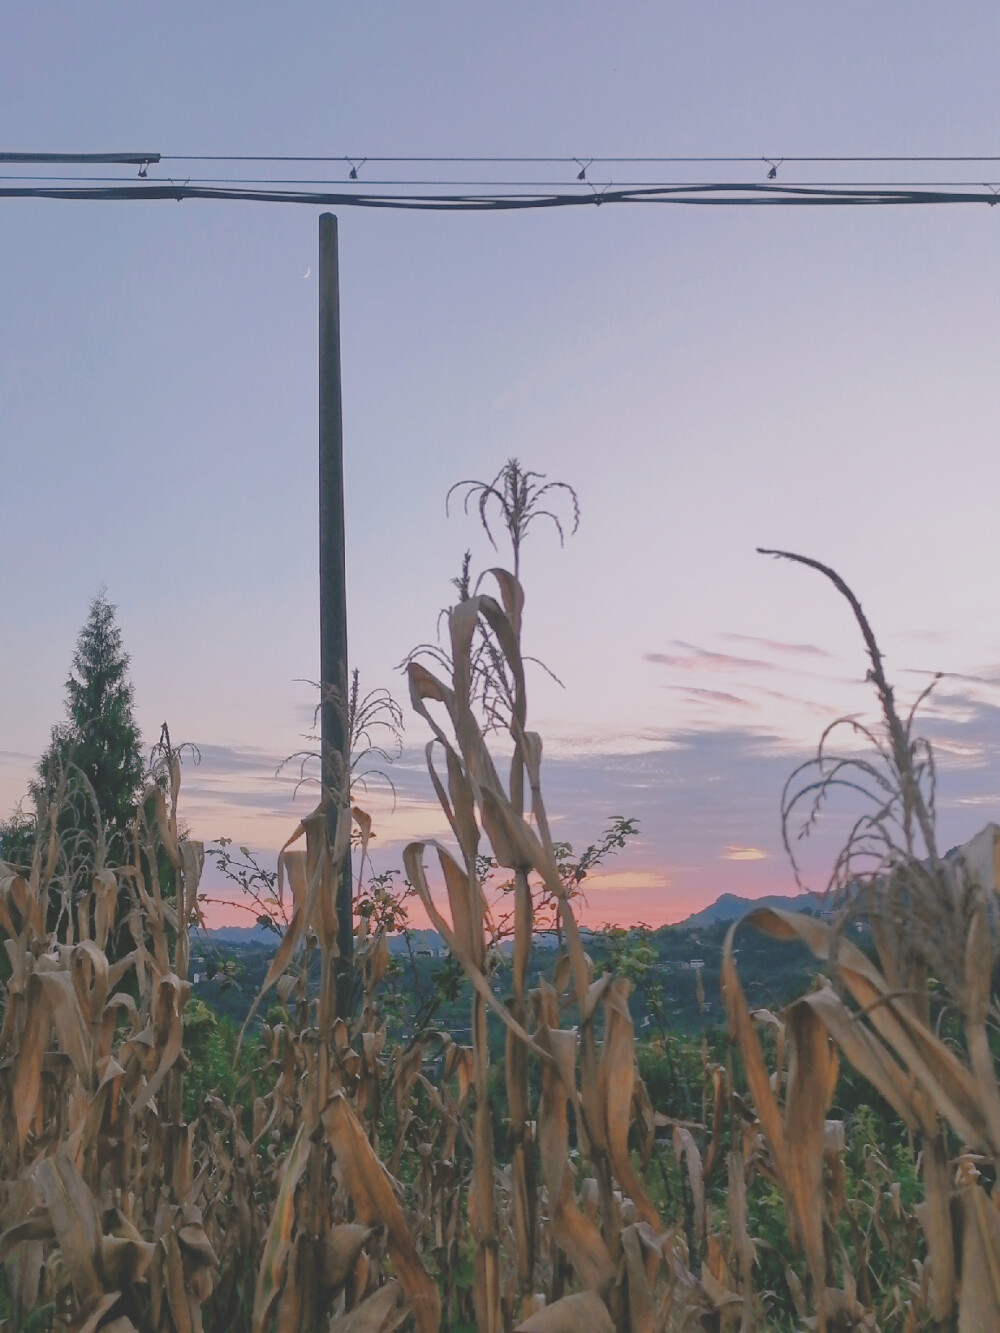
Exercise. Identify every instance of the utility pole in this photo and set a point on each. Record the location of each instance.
(335, 741)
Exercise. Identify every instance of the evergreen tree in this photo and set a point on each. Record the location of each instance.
(99, 737)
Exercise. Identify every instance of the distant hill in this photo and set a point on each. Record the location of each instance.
(730, 907)
(421, 942)
(243, 935)
(680, 992)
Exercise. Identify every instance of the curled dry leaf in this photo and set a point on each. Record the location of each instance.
(584, 1312)
(378, 1313)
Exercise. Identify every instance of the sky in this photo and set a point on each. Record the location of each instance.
(709, 380)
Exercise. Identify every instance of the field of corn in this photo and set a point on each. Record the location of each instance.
(357, 1186)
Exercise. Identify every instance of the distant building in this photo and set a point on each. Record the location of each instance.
(695, 964)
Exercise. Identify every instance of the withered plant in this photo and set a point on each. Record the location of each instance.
(914, 1020)
(358, 1184)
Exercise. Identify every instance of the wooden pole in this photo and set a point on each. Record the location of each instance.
(335, 741)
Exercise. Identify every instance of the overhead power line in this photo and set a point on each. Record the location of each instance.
(725, 194)
(406, 190)
(568, 161)
(529, 185)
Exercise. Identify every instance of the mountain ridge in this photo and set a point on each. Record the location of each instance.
(727, 907)
(730, 907)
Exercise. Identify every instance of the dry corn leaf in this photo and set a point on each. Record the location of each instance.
(935, 1218)
(28, 1066)
(812, 1076)
(737, 1218)
(873, 1060)
(341, 1246)
(686, 1148)
(278, 1241)
(415, 873)
(641, 1312)
(170, 997)
(179, 1300)
(378, 1313)
(575, 1232)
(616, 1079)
(71, 1210)
(584, 1312)
(294, 864)
(375, 1202)
(363, 820)
(950, 1083)
(72, 1029)
(979, 1292)
(718, 1103)
(90, 1316)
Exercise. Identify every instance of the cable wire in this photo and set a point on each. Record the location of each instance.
(724, 193)
(486, 195)
(568, 161)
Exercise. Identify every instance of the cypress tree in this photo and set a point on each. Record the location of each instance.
(99, 737)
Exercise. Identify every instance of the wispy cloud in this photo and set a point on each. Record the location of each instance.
(809, 704)
(778, 646)
(693, 658)
(711, 696)
(744, 854)
(225, 759)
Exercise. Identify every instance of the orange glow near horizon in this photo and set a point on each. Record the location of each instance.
(611, 898)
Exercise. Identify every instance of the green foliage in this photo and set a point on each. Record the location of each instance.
(17, 840)
(256, 883)
(210, 1042)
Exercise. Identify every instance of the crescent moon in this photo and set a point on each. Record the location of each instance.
(307, 272)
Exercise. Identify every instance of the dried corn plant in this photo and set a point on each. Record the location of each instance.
(914, 1022)
(96, 1157)
(118, 1213)
(356, 1185)
(555, 1247)
(357, 1182)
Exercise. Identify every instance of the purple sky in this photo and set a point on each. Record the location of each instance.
(709, 380)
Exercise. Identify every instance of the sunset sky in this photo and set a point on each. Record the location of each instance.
(709, 380)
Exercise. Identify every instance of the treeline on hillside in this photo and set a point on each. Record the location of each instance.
(427, 990)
